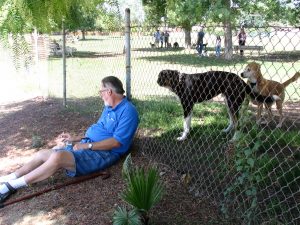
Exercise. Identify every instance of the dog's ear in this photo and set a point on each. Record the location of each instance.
(254, 66)
(258, 67)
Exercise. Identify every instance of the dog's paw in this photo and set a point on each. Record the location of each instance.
(279, 125)
(229, 128)
(236, 137)
(225, 130)
(263, 122)
(276, 97)
(181, 138)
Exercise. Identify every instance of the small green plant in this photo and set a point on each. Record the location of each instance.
(143, 190)
(37, 141)
(124, 217)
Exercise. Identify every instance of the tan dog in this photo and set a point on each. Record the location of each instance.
(266, 87)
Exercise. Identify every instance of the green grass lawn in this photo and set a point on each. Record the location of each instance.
(101, 56)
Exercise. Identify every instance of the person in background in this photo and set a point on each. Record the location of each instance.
(157, 38)
(242, 39)
(162, 39)
(218, 46)
(200, 38)
(102, 145)
(167, 39)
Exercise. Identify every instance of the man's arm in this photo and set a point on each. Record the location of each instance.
(106, 144)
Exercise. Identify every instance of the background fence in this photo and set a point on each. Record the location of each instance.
(255, 180)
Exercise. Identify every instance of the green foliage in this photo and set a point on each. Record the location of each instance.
(79, 19)
(179, 13)
(154, 10)
(176, 13)
(221, 11)
(109, 19)
(292, 15)
(124, 217)
(22, 16)
(258, 171)
(245, 184)
(21, 52)
(143, 190)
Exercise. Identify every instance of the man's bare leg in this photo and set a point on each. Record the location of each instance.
(38, 159)
(56, 161)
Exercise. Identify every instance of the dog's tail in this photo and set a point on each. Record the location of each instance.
(261, 98)
(291, 80)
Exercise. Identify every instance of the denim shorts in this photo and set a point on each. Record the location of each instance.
(90, 161)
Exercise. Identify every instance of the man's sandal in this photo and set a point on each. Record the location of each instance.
(11, 191)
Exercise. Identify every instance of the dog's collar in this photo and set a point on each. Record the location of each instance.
(252, 84)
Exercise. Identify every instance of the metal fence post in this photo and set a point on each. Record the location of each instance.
(64, 66)
(127, 53)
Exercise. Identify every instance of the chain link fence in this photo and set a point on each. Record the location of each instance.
(254, 180)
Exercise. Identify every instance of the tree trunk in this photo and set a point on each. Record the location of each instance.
(228, 52)
(187, 37)
(83, 34)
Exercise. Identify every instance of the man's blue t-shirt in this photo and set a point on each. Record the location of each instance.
(120, 123)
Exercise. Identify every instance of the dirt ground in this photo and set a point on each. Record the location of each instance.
(89, 202)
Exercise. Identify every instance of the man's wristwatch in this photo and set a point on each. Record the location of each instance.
(90, 146)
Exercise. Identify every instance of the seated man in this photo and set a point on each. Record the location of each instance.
(103, 145)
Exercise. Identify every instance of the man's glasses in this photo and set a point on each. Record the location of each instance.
(103, 90)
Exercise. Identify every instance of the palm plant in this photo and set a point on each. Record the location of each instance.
(144, 188)
(124, 217)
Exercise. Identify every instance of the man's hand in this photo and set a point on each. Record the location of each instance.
(80, 146)
(106, 144)
(61, 140)
(64, 137)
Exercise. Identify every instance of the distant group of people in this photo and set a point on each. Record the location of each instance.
(161, 38)
(201, 47)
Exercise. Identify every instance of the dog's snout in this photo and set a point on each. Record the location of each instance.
(243, 75)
